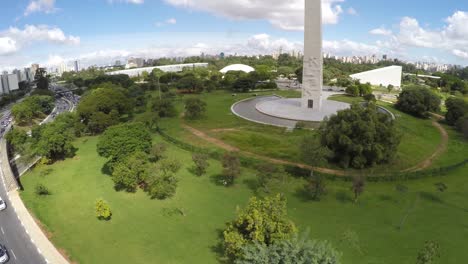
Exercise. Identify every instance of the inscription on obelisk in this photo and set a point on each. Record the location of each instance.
(313, 59)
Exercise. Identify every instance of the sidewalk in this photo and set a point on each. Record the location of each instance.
(45, 247)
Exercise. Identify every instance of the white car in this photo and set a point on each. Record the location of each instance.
(3, 254)
(2, 205)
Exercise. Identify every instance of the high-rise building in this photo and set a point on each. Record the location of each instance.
(118, 63)
(34, 68)
(76, 66)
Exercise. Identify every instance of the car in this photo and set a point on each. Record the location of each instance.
(3, 254)
(2, 204)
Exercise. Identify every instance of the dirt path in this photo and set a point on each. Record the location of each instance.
(225, 146)
(421, 166)
(442, 148)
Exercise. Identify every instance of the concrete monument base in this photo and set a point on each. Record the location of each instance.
(292, 109)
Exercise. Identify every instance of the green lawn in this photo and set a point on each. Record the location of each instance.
(420, 138)
(150, 231)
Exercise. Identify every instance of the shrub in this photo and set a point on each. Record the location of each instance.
(103, 211)
(231, 167)
(194, 108)
(418, 101)
(42, 190)
(201, 163)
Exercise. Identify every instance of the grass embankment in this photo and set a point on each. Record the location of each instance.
(152, 231)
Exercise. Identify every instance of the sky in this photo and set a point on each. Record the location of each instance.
(50, 32)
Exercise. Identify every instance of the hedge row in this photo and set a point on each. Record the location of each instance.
(300, 172)
(397, 176)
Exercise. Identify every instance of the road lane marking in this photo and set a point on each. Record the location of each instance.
(3, 232)
(12, 252)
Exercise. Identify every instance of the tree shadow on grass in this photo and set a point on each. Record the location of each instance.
(430, 197)
(252, 184)
(343, 197)
(217, 179)
(218, 248)
(302, 194)
(106, 169)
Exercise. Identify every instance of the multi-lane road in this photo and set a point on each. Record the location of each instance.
(21, 249)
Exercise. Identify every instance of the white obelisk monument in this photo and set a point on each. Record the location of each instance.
(313, 59)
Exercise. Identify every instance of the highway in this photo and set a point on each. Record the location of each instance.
(21, 249)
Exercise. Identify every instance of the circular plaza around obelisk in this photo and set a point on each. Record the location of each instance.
(285, 112)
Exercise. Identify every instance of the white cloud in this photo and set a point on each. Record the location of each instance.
(460, 53)
(7, 46)
(136, 2)
(170, 21)
(287, 15)
(32, 33)
(45, 6)
(381, 31)
(352, 11)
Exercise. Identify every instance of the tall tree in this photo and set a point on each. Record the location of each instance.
(263, 221)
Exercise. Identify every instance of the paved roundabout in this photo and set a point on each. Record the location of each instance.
(283, 112)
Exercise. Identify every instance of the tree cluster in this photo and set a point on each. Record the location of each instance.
(263, 233)
(457, 114)
(134, 163)
(104, 107)
(418, 101)
(32, 107)
(360, 137)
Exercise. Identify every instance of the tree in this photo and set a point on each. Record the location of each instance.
(190, 83)
(429, 253)
(390, 88)
(360, 137)
(194, 108)
(158, 152)
(119, 142)
(104, 107)
(131, 171)
(201, 163)
(456, 109)
(17, 139)
(53, 141)
(297, 250)
(263, 221)
(365, 89)
(162, 184)
(150, 119)
(41, 78)
(163, 107)
(316, 186)
(271, 179)
(103, 211)
(231, 167)
(370, 98)
(459, 86)
(462, 125)
(243, 84)
(353, 90)
(312, 151)
(418, 101)
(359, 183)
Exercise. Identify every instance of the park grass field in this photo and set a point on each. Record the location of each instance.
(384, 227)
(419, 137)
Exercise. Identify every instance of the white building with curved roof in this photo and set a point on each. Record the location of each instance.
(384, 76)
(237, 67)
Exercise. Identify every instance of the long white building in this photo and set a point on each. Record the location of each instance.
(384, 76)
(167, 68)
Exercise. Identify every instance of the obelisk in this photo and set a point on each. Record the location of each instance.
(312, 81)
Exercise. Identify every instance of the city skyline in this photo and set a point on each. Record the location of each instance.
(50, 32)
